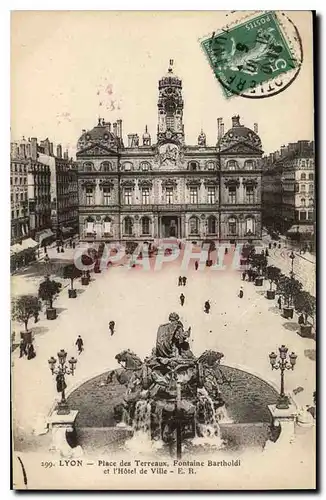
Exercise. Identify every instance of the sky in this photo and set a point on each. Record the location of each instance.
(70, 67)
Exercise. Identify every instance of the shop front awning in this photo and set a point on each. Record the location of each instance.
(29, 243)
(44, 235)
(16, 248)
(301, 229)
(67, 230)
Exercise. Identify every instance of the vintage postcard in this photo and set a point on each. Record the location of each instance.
(163, 296)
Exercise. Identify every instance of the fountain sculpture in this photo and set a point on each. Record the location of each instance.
(171, 396)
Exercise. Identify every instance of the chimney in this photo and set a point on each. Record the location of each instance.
(222, 129)
(130, 140)
(51, 148)
(109, 126)
(59, 151)
(84, 131)
(46, 146)
(256, 128)
(283, 150)
(115, 129)
(236, 121)
(22, 150)
(119, 123)
(66, 155)
(219, 123)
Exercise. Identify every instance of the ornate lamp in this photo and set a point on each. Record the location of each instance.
(61, 371)
(282, 364)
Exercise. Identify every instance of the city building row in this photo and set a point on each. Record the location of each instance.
(148, 190)
(288, 189)
(44, 194)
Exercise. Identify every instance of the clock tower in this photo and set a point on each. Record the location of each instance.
(170, 126)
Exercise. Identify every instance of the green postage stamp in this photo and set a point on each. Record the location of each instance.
(256, 58)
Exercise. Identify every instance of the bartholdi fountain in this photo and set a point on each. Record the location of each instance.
(171, 396)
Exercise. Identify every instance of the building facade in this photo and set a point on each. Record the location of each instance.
(148, 191)
(30, 191)
(289, 188)
(64, 190)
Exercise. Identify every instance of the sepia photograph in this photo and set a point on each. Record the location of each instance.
(163, 250)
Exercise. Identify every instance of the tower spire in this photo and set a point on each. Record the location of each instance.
(171, 66)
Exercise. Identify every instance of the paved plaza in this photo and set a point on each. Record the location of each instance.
(246, 330)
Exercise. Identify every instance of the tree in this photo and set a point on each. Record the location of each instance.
(131, 246)
(210, 244)
(24, 308)
(48, 291)
(288, 288)
(71, 272)
(305, 303)
(248, 251)
(258, 262)
(272, 274)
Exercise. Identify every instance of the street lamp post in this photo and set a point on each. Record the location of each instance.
(292, 257)
(60, 371)
(282, 364)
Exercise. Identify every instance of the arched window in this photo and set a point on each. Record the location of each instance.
(127, 166)
(193, 225)
(193, 165)
(127, 226)
(170, 115)
(232, 165)
(303, 177)
(145, 224)
(232, 226)
(311, 188)
(107, 225)
(303, 202)
(145, 166)
(88, 167)
(249, 164)
(303, 163)
(210, 165)
(311, 202)
(106, 166)
(311, 177)
(211, 225)
(249, 225)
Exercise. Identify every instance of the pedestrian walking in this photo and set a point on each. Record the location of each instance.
(244, 275)
(207, 306)
(184, 280)
(241, 293)
(180, 281)
(279, 301)
(226, 250)
(269, 246)
(58, 249)
(301, 319)
(196, 265)
(36, 316)
(182, 299)
(31, 352)
(73, 245)
(79, 344)
(266, 253)
(22, 348)
(111, 327)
